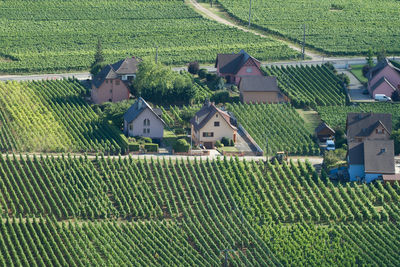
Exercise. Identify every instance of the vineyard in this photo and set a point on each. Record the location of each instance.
(309, 85)
(335, 27)
(336, 116)
(280, 123)
(188, 212)
(62, 35)
(51, 116)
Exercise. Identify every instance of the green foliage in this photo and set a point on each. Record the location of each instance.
(181, 146)
(52, 118)
(309, 85)
(280, 123)
(369, 58)
(202, 73)
(334, 157)
(62, 35)
(160, 84)
(337, 27)
(225, 141)
(98, 57)
(193, 67)
(221, 96)
(115, 111)
(218, 144)
(151, 147)
(96, 68)
(133, 147)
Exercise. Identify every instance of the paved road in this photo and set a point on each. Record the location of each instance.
(356, 88)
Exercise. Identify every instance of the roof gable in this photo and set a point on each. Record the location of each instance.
(380, 66)
(206, 113)
(379, 156)
(232, 63)
(380, 82)
(137, 108)
(323, 126)
(362, 124)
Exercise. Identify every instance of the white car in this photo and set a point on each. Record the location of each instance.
(382, 97)
(330, 145)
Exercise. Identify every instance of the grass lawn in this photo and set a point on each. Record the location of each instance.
(357, 71)
(228, 149)
(311, 119)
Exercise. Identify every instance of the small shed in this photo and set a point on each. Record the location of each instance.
(324, 132)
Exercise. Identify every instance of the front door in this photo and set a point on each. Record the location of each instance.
(209, 145)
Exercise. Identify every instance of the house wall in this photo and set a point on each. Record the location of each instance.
(384, 88)
(379, 136)
(109, 90)
(255, 70)
(223, 130)
(391, 75)
(369, 177)
(156, 126)
(259, 97)
(355, 171)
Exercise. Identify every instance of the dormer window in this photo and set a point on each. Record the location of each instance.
(380, 131)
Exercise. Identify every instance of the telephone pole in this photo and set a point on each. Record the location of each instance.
(304, 41)
(250, 14)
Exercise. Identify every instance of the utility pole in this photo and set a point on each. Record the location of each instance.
(156, 53)
(304, 41)
(226, 255)
(250, 14)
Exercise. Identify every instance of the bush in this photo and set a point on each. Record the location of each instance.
(225, 141)
(365, 70)
(179, 131)
(211, 77)
(231, 143)
(147, 139)
(218, 144)
(202, 73)
(151, 147)
(193, 67)
(221, 96)
(181, 146)
(133, 147)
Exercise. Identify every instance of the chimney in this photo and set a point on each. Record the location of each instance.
(140, 103)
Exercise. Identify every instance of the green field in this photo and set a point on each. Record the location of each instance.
(122, 211)
(51, 116)
(336, 116)
(357, 72)
(280, 123)
(309, 85)
(333, 26)
(49, 35)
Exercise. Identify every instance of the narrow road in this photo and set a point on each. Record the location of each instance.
(356, 88)
(209, 14)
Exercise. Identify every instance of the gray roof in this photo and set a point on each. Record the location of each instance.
(206, 112)
(362, 124)
(258, 84)
(232, 63)
(381, 65)
(323, 126)
(356, 153)
(136, 109)
(113, 71)
(380, 81)
(379, 156)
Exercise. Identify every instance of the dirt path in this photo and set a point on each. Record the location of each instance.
(211, 15)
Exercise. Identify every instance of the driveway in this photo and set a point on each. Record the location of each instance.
(356, 88)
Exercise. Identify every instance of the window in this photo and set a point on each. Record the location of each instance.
(117, 82)
(111, 81)
(146, 130)
(109, 100)
(249, 70)
(216, 116)
(216, 123)
(130, 127)
(383, 150)
(380, 131)
(110, 91)
(146, 122)
(208, 134)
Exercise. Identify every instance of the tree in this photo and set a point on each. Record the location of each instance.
(396, 137)
(193, 67)
(181, 146)
(366, 68)
(381, 55)
(396, 95)
(95, 69)
(369, 58)
(98, 57)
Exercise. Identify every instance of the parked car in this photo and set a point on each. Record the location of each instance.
(382, 97)
(330, 145)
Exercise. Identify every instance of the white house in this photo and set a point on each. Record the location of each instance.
(142, 120)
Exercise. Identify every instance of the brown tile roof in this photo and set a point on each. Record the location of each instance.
(232, 63)
(323, 126)
(258, 84)
(379, 156)
(362, 124)
(206, 113)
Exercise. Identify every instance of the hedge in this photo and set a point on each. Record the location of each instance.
(134, 147)
(151, 147)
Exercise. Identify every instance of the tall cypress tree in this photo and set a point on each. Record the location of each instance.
(98, 57)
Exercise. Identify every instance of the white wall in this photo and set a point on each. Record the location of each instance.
(156, 126)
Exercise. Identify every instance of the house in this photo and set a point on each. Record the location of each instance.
(210, 124)
(324, 132)
(233, 66)
(384, 78)
(142, 120)
(112, 83)
(260, 89)
(370, 152)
